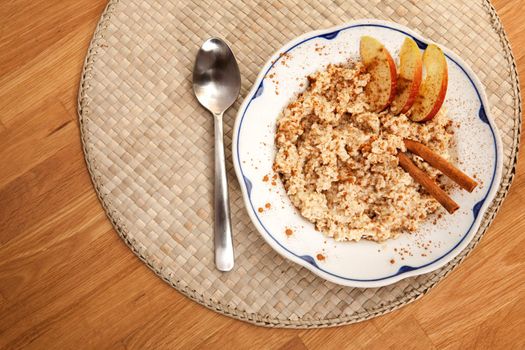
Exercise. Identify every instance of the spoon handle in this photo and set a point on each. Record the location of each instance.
(222, 226)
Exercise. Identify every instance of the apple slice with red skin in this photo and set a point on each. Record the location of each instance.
(409, 78)
(433, 89)
(381, 89)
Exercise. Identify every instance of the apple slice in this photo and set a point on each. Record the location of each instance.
(381, 89)
(409, 79)
(434, 87)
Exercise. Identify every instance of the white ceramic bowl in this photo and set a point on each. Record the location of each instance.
(364, 263)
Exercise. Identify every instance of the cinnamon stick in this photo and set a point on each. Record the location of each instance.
(424, 180)
(441, 164)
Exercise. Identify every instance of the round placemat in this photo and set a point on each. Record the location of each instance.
(148, 143)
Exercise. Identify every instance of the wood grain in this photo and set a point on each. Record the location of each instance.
(67, 280)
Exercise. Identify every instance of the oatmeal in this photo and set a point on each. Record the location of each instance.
(338, 162)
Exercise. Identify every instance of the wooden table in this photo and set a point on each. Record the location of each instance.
(68, 281)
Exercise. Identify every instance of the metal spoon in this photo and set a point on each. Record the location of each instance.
(216, 83)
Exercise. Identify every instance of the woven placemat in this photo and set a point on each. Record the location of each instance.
(148, 144)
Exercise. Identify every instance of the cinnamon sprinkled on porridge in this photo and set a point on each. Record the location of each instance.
(338, 163)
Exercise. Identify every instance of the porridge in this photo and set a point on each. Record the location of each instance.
(338, 159)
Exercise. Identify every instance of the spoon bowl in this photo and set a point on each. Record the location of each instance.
(216, 76)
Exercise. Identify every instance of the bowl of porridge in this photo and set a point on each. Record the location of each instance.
(329, 150)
